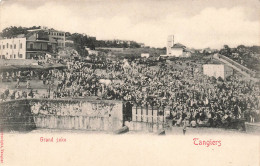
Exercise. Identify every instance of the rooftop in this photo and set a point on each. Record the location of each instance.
(178, 45)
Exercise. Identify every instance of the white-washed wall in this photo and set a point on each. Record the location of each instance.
(81, 115)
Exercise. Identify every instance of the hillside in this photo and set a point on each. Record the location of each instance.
(133, 52)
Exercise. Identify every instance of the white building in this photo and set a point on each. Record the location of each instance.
(142, 45)
(14, 48)
(145, 55)
(217, 70)
(176, 50)
(163, 55)
(69, 43)
(91, 52)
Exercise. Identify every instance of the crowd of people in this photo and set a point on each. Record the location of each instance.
(178, 86)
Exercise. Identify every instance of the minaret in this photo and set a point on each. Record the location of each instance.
(170, 42)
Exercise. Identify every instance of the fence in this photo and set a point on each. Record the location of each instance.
(147, 118)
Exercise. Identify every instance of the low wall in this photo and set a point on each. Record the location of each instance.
(64, 114)
(77, 122)
(252, 127)
(144, 126)
(243, 68)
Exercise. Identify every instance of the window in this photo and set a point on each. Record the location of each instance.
(6, 45)
(14, 46)
(31, 46)
(0, 46)
(14, 56)
(21, 45)
(11, 57)
(11, 46)
(20, 55)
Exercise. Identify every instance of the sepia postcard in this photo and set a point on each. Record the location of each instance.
(129, 83)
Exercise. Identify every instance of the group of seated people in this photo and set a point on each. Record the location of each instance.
(179, 87)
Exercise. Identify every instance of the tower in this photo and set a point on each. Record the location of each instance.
(170, 42)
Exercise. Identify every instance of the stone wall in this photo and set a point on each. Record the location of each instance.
(16, 115)
(66, 114)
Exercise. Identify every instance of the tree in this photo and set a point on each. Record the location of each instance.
(13, 31)
(225, 51)
(226, 47)
(125, 45)
(241, 47)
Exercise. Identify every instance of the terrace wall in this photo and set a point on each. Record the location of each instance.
(80, 114)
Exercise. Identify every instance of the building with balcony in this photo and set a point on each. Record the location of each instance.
(34, 45)
(59, 36)
(37, 45)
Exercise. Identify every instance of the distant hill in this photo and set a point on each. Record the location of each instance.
(134, 52)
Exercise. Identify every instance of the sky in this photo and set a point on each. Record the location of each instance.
(194, 23)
